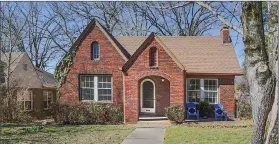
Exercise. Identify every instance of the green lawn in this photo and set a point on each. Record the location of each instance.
(200, 135)
(97, 134)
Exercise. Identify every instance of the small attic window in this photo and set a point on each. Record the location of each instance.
(153, 57)
(25, 67)
(95, 51)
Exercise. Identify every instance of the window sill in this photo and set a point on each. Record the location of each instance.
(199, 103)
(154, 67)
(93, 101)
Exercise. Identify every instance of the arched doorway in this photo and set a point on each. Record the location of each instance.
(147, 97)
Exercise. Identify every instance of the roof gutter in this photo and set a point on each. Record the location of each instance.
(215, 74)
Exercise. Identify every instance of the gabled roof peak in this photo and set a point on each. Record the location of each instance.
(139, 50)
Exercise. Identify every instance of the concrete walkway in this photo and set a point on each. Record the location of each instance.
(146, 134)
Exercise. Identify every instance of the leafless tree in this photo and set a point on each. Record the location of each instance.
(11, 41)
(40, 34)
(138, 18)
(189, 20)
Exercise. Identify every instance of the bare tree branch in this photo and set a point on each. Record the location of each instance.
(220, 17)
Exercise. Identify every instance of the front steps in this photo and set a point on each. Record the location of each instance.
(152, 118)
(155, 123)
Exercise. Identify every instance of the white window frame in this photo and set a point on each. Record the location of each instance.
(193, 90)
(104, 88)
(92, 47)
(24, 98)
(217, 95)
(202, 90)
(96, 88)
(85, 87)
(48, 92)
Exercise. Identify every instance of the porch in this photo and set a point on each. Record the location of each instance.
(154, 97)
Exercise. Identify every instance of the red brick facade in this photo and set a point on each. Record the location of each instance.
(110, 63)
(169, 78)
(167, 69)
(226, 93)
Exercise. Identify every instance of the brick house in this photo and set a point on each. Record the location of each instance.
(146, 74)
(35, 88)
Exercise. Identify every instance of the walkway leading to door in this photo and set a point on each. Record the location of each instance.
(146, 134)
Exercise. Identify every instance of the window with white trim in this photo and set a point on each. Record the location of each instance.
(202, 90)
(104, 88)
(210, 90)
(96, 87)
(26, 100)
(95, 51)
(87, 87)
(48, 98)
(193, 90)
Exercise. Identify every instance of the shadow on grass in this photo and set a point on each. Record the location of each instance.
(17, 140)
(12, 125)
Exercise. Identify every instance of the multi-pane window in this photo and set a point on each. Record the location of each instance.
(153, 57)
(104, 88)
(95, 51)
(193, 90)
(48, 98)
(26, 100)
(96, 87)
(210, 91)
(202, 90)
(87, 87)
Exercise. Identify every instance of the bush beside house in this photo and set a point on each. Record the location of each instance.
(244, 107)
(176, 113)
(10, 108)
(87, 113)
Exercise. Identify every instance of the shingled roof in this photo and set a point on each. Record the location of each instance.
(198, 54)
(14, 58)
(46, 79)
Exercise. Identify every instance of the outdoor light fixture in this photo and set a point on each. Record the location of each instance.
(163, 79)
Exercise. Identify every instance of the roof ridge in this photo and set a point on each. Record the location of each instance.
(171, 36)
(38, 69)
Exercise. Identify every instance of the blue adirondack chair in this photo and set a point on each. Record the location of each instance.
(219, 113)
(192, 110)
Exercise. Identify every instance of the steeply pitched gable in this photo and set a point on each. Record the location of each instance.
(125, 55)
(151, 37)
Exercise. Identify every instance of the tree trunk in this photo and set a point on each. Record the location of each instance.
(272, 36)
(260, 78)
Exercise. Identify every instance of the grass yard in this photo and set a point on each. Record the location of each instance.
(95, 134)
(205, 135)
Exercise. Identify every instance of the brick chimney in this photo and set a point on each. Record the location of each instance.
(225, 33)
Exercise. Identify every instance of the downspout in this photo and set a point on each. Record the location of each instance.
(184, 86)
(124, 93)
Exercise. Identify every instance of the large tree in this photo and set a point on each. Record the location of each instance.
(261, 64)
